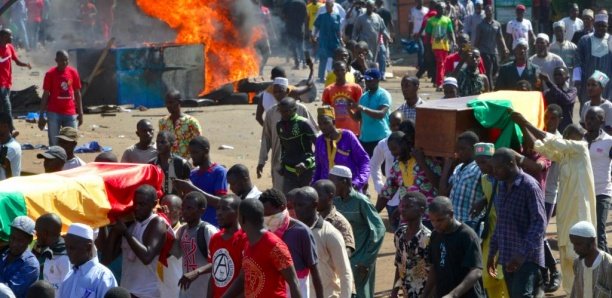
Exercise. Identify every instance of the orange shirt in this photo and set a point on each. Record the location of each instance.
(339, 98)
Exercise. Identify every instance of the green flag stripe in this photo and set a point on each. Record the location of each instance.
(12, 204)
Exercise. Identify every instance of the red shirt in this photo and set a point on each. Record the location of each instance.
(262, 264)
(7, 55)
(452, 60)
(226, 258)
(35, 10)
(61, 86)
(338, 97)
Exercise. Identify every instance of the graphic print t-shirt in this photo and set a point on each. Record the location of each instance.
(226, 257)
(262, 264)
(61, 86)
(339, 97)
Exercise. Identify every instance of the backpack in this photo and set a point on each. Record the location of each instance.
(202, 239)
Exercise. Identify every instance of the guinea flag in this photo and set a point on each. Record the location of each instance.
(94, 194)
(491, 110)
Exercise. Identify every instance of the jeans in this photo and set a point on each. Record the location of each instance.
(5, 104)
(296, 45)
(33, 34)
(420, 53)
(381, 59)
(491, 66)
(322, 63)
(393, 222)
(602, 207)
(21, 33)
(525, 282)
(56, 121)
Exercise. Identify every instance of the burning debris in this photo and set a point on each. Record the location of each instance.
(228, 30)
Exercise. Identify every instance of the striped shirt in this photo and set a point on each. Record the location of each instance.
(521, 221)
(466, 189)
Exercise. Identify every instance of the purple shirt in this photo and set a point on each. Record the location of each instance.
(349, 153)
(521, 221)
(212, 181)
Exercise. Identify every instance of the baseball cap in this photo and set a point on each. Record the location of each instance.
(24, 224)
(372, 74)
(521, 7)
(52, 153)
(68, 133)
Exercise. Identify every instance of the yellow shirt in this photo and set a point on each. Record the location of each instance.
(331, 78)
(312, 9)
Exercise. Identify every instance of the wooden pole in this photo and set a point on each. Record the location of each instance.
(96, 68)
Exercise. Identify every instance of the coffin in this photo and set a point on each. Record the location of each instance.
(439, 122)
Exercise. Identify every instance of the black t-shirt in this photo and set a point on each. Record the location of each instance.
(452, 256)
(294, 12)
(385, 14)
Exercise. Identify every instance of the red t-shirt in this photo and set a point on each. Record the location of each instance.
(338, 97)
(226, 258)
(7, 55)
(35, 10)
(61, 86)
(452, 60)
(262, 264)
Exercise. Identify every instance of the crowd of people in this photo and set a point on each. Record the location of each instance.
(31, 20)
(469, 226)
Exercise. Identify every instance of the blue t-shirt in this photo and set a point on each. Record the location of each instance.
(214, 182)
(373, 130)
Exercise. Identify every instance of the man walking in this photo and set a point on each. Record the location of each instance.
(370, 27)
(368, 229)
(521, 225)
(61, 98)
(88, 278)
(489, 39)
(296, 138)
(7, 56)
(328, 35)
(600, 150)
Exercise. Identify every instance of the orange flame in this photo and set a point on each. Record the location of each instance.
(229, 54)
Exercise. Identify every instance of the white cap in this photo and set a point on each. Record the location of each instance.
(521, 41)
(601, 17)
(583, 229)
(81, 230)
(341, 171)
(560, 24)
(543, 36)
(281, 82)
(481, 2)
(450, 81)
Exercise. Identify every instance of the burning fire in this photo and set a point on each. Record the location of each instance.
(229, 53)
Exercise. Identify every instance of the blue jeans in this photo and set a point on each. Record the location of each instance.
(21, 33)
(393, 222)
(381, 58)
(420, 53)
(602, 207)
(33, 34)
(5, 104)
(56, 121)
(525, 282)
